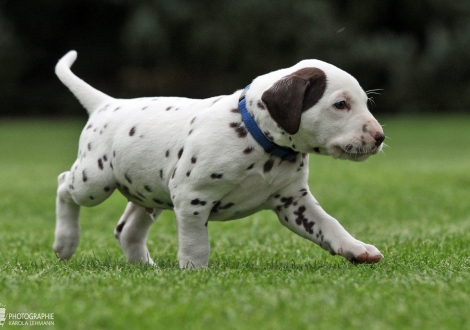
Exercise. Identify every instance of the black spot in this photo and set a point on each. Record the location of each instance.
(84, 177)
(268, 165)
(302, 220)
(261, 105)
(287, 201)
(161, 174)
(144, 108)
(167, 153)
(114, 153)
(217, 175)
(197, 202)
(170, 204)
(190, 132)
(100, 164)
(128, 178)
(277, 196)
(216, 100)
(107, 189)
(132, 131)
(268, 135)
(174, 172)
(169, 108)
(248, 150)
(111, 165)
(146, 187)
(239, 129)
(251, 166)
(215, 208)
(89, 126)
(218, 206)
(180, 153)
(193, 160)
(235, 110)
(196, 213)
(188, 173)
(192, 120)
(92, 198)
(120, 226)
(157, 201)
(226, 206)
(89, 146)
(105, 158)
(286, 218)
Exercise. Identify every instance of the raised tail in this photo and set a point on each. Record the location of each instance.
(88, 96)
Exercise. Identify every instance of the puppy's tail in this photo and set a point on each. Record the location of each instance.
(88, 96)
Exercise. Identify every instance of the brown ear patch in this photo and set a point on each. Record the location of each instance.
(293, 94)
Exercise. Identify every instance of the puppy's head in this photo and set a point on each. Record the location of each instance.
(323, 110)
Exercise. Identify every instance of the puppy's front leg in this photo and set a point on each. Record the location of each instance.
(298, 210)
(193, 238)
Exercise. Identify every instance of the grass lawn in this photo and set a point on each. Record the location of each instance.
(412, 202)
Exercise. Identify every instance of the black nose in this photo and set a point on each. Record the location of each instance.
(379, 137)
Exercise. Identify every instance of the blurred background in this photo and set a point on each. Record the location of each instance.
(417, 51)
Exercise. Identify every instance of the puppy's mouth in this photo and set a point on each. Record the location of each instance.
(348, 151)
(353, 152)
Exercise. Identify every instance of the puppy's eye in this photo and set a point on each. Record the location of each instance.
(340, 105)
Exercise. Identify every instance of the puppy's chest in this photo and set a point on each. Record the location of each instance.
(251, 188)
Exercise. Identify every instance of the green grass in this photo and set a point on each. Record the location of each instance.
(412, 202)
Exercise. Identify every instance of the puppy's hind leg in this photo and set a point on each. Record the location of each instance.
(67, 230)
(132, 230)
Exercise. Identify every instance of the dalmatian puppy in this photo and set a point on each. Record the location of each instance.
(217, 159)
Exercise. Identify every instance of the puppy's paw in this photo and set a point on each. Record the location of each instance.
(358, 252)
(64, 248)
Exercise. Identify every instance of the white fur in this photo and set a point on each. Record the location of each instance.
(190, 156)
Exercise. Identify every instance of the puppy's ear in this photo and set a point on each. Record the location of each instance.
(293, 94)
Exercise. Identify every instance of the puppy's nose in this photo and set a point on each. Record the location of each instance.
(379, 137)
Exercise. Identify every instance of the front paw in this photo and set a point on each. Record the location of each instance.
(358, 252)
(65, 247)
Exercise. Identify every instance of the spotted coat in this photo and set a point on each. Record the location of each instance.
(198, 158)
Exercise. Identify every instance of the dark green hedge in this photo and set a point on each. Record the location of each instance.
(417, 51)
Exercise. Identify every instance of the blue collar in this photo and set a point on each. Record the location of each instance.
(283, 152)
